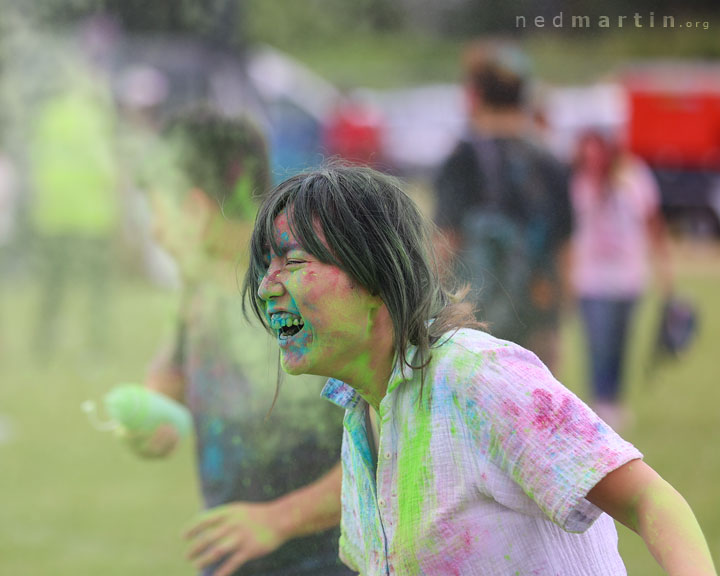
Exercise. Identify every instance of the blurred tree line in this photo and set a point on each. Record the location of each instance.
(237, 22)
(386, 43)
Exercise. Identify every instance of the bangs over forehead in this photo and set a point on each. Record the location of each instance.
(306, 204)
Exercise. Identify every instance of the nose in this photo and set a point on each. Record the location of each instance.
(270, 286)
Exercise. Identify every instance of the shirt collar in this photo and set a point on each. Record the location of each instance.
(343, 395)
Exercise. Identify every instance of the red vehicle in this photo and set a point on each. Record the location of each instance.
(674, 124)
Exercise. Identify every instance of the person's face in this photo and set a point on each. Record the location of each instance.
(321, 318)
(595, 155)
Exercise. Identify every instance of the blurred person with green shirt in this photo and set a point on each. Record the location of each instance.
(74, 203)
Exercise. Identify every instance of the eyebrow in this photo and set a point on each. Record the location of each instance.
(284, 249)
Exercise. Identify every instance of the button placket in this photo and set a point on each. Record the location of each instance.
(384, 479)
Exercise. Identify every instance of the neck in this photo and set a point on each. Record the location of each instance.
(223, 249)
(368, 372)
(502, 123)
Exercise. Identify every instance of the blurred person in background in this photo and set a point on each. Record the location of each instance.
(8, 206)
(74, 201)
(502, 204)
(8, 214)
(618, 226)
(271, 484)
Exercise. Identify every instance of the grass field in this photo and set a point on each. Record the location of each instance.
(74, 502)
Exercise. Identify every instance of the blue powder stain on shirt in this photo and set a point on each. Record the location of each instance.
(212, 461)
(216, 426)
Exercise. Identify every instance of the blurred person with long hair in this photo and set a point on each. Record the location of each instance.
(617, 228)
(462, 454)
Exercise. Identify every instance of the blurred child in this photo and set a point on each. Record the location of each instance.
(272, 486)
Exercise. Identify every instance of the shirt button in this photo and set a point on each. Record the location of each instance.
(388, 455)
(381, 501)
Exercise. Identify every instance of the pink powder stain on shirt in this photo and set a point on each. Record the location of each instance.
(564, 417)
(510, 408)
(545, 415)
(460, 548)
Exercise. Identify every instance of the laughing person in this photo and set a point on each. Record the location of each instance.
(461, 453)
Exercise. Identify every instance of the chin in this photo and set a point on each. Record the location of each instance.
(299, 366)
(293, 366)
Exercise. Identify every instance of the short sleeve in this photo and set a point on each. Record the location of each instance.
(542, 436)
(646, 188)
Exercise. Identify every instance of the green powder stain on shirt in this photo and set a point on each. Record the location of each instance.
(414, 479)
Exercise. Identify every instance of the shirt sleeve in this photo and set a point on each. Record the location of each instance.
(543, 436)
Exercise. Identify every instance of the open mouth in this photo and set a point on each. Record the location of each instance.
(286, 324)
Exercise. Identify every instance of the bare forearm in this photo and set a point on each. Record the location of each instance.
(446, 244)
(638, 497)
(661, 251)
(313, 508)
(165, 378)
(671, 532)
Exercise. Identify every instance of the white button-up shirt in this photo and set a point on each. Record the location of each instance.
(486, 475)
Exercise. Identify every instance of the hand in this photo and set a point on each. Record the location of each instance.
(237, 532)
(156, 444)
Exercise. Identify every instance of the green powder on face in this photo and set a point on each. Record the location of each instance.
(415, 479)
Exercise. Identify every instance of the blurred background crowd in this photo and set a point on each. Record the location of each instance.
(88, 90)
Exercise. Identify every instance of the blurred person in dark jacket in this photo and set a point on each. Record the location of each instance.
(502, 204)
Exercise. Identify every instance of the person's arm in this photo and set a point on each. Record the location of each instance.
(637, 497)
(446, 244)
(566, 261)
(660, 243)
(164, 377)
(655, 226)
(452, 187)
(242, 531)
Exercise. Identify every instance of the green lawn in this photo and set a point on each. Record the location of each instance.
(73, 501)
(676, 405)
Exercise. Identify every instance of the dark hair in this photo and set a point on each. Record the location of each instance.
(498, 73)
(225, 157)
(605, 140)
(376, 234)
